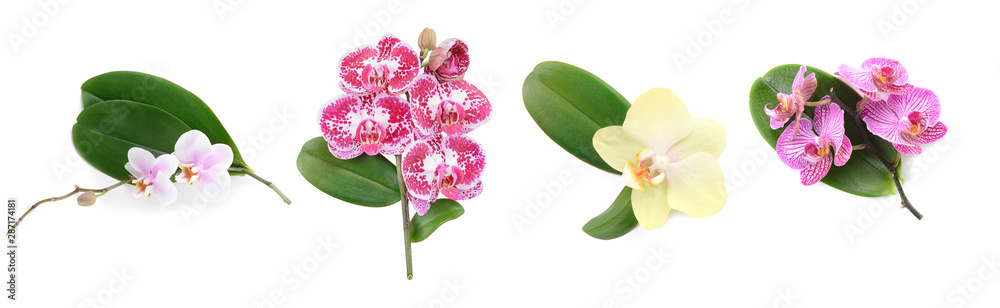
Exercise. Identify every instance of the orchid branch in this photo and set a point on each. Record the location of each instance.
(905, 203)
(245, 171)
(406, 216)
(78, 189)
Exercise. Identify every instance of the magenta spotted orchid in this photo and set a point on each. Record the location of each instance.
(449, 165)
(814, 152)
(793, 104)
(388, 67)
(372, 124)
(449, 61)
(877, 78)
(152, 175)
(453, 108)
(906, 120)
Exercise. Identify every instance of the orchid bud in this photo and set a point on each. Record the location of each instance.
(87, 198)
(427, 39)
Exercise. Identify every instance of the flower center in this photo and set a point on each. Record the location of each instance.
(374, 76)
(448, 176)
(144, 186)
(884, 74)
(189, 173)
(450, 117)
(449, 66)
(370, 135)
(647, 170)
(917, 123)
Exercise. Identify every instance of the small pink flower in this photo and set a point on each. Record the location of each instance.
(450, 165)
(449, 61)
(454, 108)
(811, 152)
(877, 78)
(203, 164)
(371, 124)
(906, 120)
(793, 104)
(152, 175)
(389, 67)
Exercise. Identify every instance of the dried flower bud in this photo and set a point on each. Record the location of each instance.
(427, 39)
(87, 198)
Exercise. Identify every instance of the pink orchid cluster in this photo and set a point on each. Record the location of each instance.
(894, 110)
(428, 127)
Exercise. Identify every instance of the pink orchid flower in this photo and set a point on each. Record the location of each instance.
(453, 108)
(371, 124)
(793, 104)
(906, 120)
(449, 61)
(877, 78)
(203, 164)
(152, 175)
(811, 152)
(451, 165)
(389, 67)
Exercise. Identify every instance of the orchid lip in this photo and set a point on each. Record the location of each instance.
(448, 176)
(451, 116)
(374, 77)
(916, 123)
(646, 171)
(370, 134)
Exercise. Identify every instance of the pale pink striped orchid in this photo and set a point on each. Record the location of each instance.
(448, 165)
(906, 120)
(813, 152)
(371, 124)
(388, 67)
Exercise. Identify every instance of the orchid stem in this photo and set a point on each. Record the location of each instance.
(406, 216)
(247, 171)
(102, 191)
(904, 202)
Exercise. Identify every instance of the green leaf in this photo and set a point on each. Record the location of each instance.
(616, 221)
(863, 175)
(441, 211)
(570, 105)
(363, 180)
(163, 94)
(105, 131)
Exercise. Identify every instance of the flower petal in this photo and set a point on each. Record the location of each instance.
(791, 148)
(616, 147)
(419, 164)
(929, 135)
(650, 206)
(920, 99)
(477, 107)
(457, 193)
(803, 87)
(220, 154)
(907, 149)
(339, 120)
(164, 189)
(425, 98)
(706, 136)
(815, 172)
(858, 78)
(658, 119)
(882, 118)
(467, 155)
(140, 162)
(166, 163)
(843, 152)
(779, 115)
(696, 185)
(192, 147)
(403, 66)
(393, 113)
(353, 64)
(215, 183)
(419, 204)
(829, 123)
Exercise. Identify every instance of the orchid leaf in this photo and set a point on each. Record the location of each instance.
(616, 221)
(364, 180)
(441, 211)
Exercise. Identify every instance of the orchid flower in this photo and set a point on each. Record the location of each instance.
(667, 158)
(877, 78)
(152, 175)
(810, 151)
(449, 61)
(388, 67)
(203, 164)
(793, 104)
(906, 120)
(454, 108)
(451, 165)
(371, 124)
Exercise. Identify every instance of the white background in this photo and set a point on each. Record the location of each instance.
(265, 67)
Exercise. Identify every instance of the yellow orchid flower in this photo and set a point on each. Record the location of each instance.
(667, 158)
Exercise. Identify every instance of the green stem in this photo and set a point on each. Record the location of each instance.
(406, 216)
(102, 191)
(905, 203)
(251, 173)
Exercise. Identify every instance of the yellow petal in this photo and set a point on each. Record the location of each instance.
(706, 136)
(650, 206)
(658, 119)
(616, 147)
(632, 177)
(697, 185)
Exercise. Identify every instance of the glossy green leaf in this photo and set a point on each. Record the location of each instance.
(105, 131)
(364, 180)
(616, 221)
(441, 211)
(864, 174)
(570, 104)
(163, 94)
